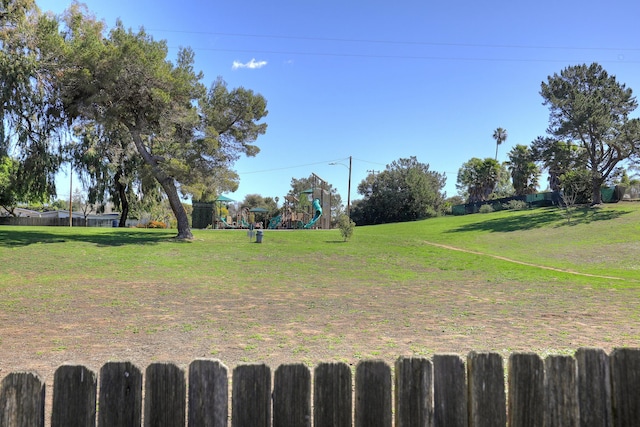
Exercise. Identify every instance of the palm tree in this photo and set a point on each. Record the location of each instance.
(500, 135)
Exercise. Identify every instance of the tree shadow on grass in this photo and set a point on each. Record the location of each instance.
(25, 236)
(540, 218)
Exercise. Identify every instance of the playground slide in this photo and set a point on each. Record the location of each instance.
(275, 221)
(318, 210)
(225, 223)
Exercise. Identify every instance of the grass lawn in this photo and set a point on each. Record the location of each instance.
(506, 281)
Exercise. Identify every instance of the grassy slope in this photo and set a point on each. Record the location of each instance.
(603, 242)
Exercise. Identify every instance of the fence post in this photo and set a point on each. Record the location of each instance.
(526, 390)
(165, 395)
(373, 394)
(332, 395)
(74, 397)
(625, 375)
(594, 388)
(208, 394)
(251, 396)
(414, 392)
(292, 396)
(561, 392)
(449, 391)
(120, 399)
(487, 399)
(21, 400)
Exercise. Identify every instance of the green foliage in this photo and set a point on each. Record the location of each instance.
(346, 226)
(257, 201)
(149, 116)
(576, 184)
(486, 209)
(516, 205)
(478, 178)
(8, 168)
(590, 108)
(524, 171)
(405, 191)
(557, 157)
(30, 116)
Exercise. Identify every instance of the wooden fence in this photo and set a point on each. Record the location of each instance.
(590, 389)
(57, 222)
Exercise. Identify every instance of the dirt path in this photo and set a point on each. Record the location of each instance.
(544, 267)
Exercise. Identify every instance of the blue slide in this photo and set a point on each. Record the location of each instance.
(318, 210)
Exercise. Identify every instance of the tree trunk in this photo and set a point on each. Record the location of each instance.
(124, 202)
(168, 185)
(596, 196)
(596, 182)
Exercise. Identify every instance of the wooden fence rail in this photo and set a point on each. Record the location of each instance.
(591, 389)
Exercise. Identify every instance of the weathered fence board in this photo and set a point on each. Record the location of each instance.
(589, 389)
(414, 392)
(165, 395)
(120, 400)
(332, 395)
(74, 397)
(594, 388)
(625, 380)
(208, 394)
(292, 396)
(251, 397)
(561, 392)
(449, 391)
(21, 400)
(526, 390)
(373, 394)
(487, 399)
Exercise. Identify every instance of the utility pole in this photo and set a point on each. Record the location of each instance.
(349, 186)
(70, 196)
(349, 191)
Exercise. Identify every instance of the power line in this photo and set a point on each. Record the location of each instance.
(398, 42)
(326, 162)
(286, 167)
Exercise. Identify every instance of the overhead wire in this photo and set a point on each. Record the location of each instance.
(398, 42)
(480, 58)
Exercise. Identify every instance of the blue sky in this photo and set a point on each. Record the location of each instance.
(381, 80)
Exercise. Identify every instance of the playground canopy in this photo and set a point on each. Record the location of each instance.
(224, 199)
(258, 210)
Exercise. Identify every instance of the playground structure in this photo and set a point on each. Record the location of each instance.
(309, 209)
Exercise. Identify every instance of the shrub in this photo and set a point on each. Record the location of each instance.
(346, 227)
(486, 209)
(156, 224)
(516, 205)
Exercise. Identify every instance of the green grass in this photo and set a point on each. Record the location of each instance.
(307, 295)
(605, 242)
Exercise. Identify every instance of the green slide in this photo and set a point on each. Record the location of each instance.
(318, 210)
(275, 221)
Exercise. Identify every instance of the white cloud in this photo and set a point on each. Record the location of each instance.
(253, 64)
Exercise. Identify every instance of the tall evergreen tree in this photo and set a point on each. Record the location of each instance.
(188, 137)
(589, 108)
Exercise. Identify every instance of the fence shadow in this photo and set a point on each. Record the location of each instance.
(540, 218)
(25, 237)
